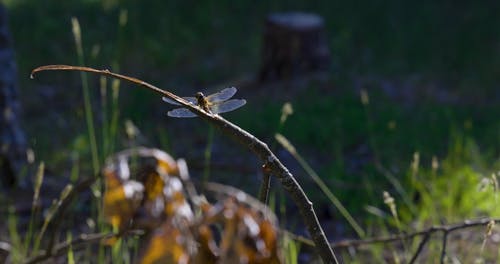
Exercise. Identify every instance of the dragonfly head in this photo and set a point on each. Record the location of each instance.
(199, 95)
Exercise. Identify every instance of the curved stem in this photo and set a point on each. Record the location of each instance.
(252, 143)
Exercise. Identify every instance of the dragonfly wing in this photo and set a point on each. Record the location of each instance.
(181, 112)
(227, 106)
(222, 95)
(192, 100)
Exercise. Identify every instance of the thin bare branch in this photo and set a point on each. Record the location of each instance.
(265, 186)
(83, 239)
(420, 248)
(118, 76)
(443, 247)
(58, 217)
(64, 203)
(426, 233)
(258, 147)
(430, 230)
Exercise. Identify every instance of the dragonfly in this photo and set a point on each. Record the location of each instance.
(216, 103)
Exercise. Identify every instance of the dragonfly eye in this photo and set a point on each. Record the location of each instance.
(199, 95)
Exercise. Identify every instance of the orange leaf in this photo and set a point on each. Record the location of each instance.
(167, 245)
(121, 199)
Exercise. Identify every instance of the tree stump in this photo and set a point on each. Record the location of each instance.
(12, 138)
(293, 44)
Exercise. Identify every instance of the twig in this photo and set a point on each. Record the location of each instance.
(430, 230)
(443, 247)
(83, 239)
(420, 248)
(299, 238)
(265, 186)
(58, 215)
(258, 147)
(426, 233)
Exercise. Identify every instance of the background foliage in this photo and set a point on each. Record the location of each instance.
(430, 69)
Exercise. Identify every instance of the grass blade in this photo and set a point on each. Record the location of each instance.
(86, 95)
(321, 184)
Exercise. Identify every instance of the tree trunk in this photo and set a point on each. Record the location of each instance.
(12, 138)
(293, 44)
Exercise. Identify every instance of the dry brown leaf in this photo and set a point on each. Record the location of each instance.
(167, 245)
(121, 199)
(157, 202)
(207, 247)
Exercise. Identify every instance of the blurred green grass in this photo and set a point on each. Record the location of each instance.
(196, 43)
(213, 40)
(334, 131)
